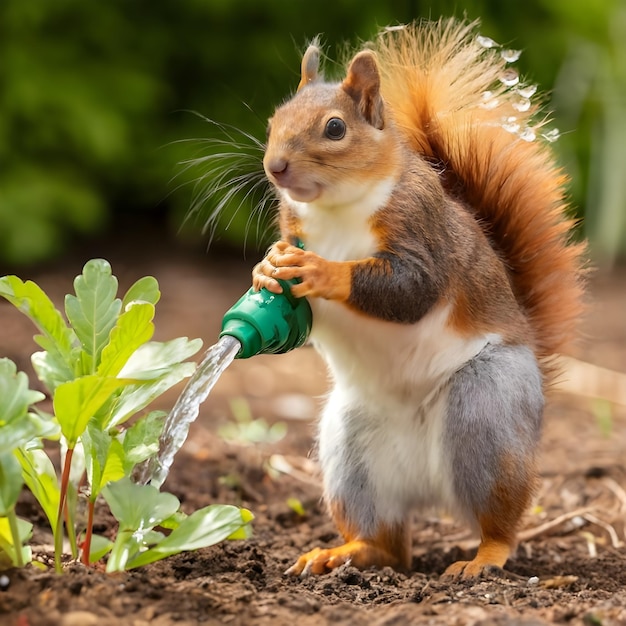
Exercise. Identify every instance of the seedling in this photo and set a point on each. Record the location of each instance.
(296, 506)
(245, 430)
(139, 508)
(101, 369)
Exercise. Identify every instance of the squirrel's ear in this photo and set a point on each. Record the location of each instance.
(310, 66)
(362, 84)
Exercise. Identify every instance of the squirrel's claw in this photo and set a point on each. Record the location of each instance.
(468, 570)
(316, 562)
(490, 558)
(362, 554)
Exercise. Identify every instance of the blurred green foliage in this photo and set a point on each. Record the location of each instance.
(96, 101)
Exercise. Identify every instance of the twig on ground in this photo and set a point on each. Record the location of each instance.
(307, 474)
(618, 491)
(615, 540)
(537, 531)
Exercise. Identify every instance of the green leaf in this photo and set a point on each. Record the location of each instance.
(114, 467)
(76, 402)
(10, 482)
(201, 529)
(141, 440)
(94, 309)
(173, 522)
(245, 532)
(96, 445)
(99, 547)
(152, 359)
(51, 370)
(56, 337)
(24, 531)
(15, 396)
(146, 289)
(20, 433)
(138, 506)
(134, 398)
(159, 365)
(133, 328)
(18, 427)
(45, 425)
(40, 477)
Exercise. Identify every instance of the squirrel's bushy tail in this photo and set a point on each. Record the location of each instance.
(460, 103)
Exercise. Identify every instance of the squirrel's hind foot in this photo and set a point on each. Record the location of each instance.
(468, 570)
(359, 553)
(490, 558)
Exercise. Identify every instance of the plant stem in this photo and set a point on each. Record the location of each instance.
(15, 535)
(58, 536)
(69, 514)
(88, 533)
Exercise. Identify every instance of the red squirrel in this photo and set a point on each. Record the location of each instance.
(439, 265)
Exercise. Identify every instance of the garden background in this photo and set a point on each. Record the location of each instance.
(98, 98)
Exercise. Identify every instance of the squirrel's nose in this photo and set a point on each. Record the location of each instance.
(277, 167)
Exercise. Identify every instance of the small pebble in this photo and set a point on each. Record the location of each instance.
(5, 582)
(533, 580)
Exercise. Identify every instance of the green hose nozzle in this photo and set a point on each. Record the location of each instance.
(268, 323)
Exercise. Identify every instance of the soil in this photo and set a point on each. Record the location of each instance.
(569, 568)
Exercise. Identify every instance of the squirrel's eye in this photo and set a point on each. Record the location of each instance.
(335, 128)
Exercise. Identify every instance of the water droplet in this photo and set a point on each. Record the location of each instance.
(528, 134)
(393, 29)
(509, 77)
(486, 42)
(521, 105)
(510, 56)
(489, 100)
(527, 91)
(511, 125)
(552, 135)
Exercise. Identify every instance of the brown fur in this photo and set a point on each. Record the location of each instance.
(510, 497)
(432, 79)
(390, 546)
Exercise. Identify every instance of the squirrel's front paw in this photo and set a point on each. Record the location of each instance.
(264, 274)
(317, 277)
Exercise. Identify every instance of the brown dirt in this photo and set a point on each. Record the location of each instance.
(569, 572)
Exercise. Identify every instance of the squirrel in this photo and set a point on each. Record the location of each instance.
(440, 266)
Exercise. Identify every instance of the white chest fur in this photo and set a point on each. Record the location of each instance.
(339, 228)
(394, 379)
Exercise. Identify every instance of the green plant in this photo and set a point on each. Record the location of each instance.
(139, 508)
(296, 506)
(101, 369)
(18, 428)
(245, 430)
